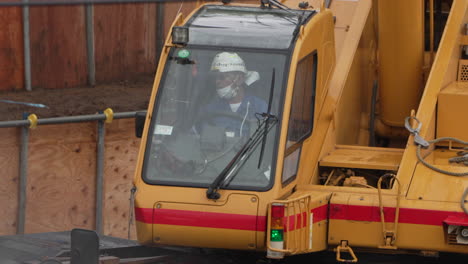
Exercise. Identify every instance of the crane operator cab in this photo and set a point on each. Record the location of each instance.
(211, 116)
(233, 101)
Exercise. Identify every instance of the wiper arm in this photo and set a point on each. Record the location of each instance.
(241, 156)
(265, 132)
(279, 6)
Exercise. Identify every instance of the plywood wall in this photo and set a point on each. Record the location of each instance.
(121, 154)
(61, 185)
(9, 162)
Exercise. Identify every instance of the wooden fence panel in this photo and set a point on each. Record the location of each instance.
(58, 47)
(11, 49)
(125, 36)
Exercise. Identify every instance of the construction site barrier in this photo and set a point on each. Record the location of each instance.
(31, 122)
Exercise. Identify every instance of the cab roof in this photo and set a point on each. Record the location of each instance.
(245, 27)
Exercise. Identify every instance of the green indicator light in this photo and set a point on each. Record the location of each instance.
(276, 235)
(183, 53)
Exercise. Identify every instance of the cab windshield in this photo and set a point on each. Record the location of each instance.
(209, 104)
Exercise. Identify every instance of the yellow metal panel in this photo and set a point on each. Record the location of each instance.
(443, 72)
(320, 226)
(354, 73)
(463, 71)
(364, 230)
(355, 217)
(196, 224)
(464, 40)
(429, 185)
(144, 233)
(410, 236)
(452, 120)
(363, 158)
(306, 222)
(318, 205)
(323, 137)
(313, 37)
(344, 11)
(235, 203)
(358, 234)
(348, 112)
(204, 237)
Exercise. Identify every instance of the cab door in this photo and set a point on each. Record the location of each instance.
(301, 118)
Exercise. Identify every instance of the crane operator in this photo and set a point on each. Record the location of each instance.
(234, 99)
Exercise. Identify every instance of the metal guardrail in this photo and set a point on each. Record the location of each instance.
(61, 120)
(296, 224)
(32, 121)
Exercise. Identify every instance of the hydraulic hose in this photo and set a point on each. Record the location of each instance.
(463, 200)
(432, 167)
(421, 142)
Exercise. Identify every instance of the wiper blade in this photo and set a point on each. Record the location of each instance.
(230, 171)
(265, 132)
(284, 8)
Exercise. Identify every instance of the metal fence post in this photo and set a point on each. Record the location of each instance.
(89, 14)
(159, 30)
(23, 174)
(99, 175)
(26, 47)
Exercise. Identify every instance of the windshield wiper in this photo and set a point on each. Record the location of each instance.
(283, 7)
(265, 131)
(241, 156)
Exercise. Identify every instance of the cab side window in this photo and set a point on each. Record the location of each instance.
(301, 119)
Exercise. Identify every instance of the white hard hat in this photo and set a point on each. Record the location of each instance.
(228, 62)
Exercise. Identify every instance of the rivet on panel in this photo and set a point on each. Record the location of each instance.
(158, 205)
(253, 200)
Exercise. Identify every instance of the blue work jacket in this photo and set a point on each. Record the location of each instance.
(231, 124)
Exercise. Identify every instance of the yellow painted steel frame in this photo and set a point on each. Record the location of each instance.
(295, 240)
(315, 36)
(389, 236)
(144, 231)
(334, 84)
(306, 223)
(401, 56)
(354, 212)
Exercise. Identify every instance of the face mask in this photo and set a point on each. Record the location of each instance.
(227, 92)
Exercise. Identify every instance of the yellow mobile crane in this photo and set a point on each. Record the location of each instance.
(292, 127)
